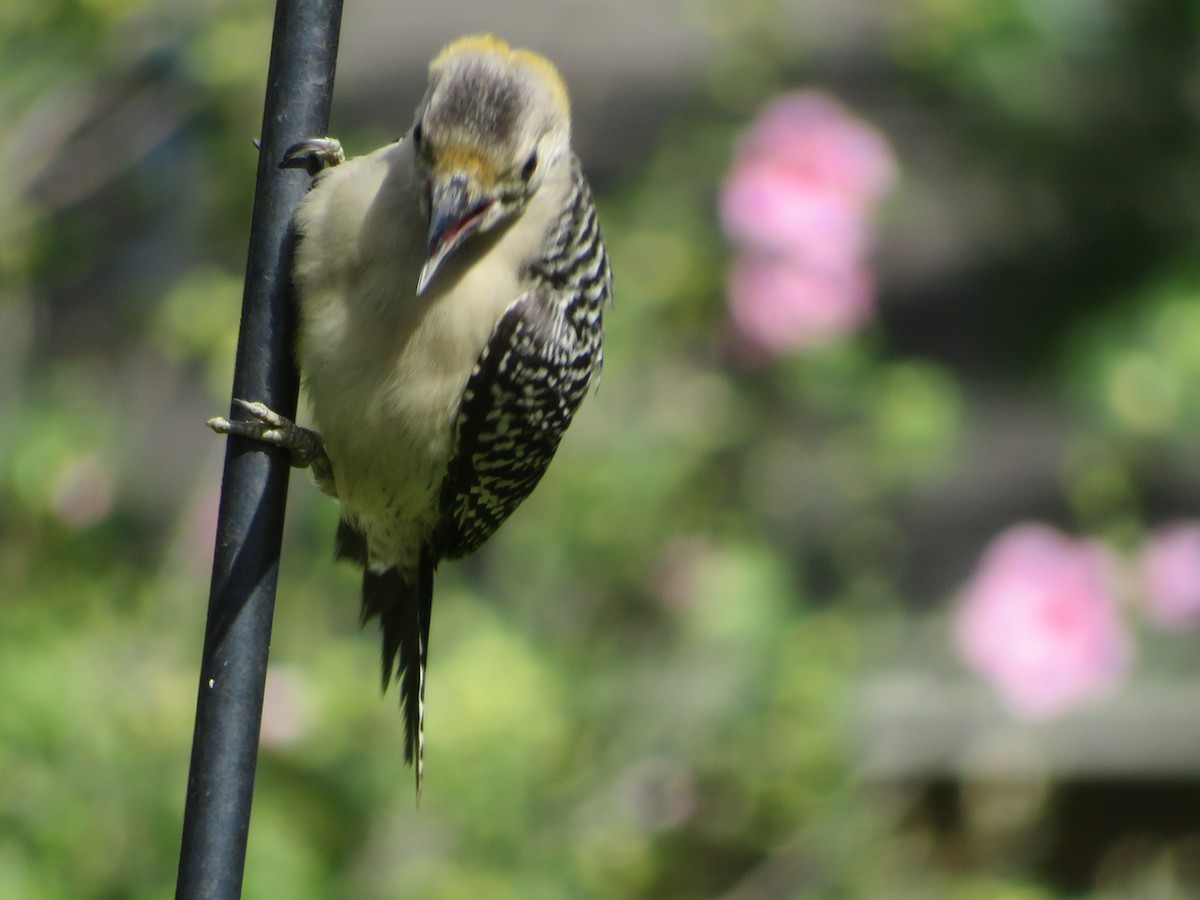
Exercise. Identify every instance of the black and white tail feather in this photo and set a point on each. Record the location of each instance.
(403, 606)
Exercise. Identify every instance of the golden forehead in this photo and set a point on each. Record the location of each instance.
(489, 45)
(461, 158)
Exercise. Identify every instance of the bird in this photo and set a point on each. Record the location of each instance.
(451, 289)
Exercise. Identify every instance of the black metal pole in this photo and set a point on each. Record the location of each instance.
(237, 636)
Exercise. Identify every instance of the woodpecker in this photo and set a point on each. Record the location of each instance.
(451, 289)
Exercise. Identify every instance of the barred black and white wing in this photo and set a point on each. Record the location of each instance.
(518, 402)
(530, 379)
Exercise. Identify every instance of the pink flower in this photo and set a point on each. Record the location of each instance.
(285, 714)
(764, 208)
(822, 143)
(83, 492)
(779, 305)
(1039, 620)
(798, 201)
(1170, 568)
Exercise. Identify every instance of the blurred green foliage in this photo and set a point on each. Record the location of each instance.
(641, 688)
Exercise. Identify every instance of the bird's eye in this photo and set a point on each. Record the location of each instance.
(530, 166)
(418, 135)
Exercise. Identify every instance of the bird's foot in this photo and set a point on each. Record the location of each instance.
(305, 446)
(314, 155)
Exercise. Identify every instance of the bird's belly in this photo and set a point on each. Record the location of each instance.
(389, 459)
(387, 418)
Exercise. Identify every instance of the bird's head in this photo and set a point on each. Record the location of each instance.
(494, 121)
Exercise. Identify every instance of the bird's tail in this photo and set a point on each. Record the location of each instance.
(402, 602)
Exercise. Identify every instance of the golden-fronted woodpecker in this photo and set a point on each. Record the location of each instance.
(451, 289)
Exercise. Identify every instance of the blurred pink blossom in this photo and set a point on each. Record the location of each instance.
(822, 143)
(286, 717)
(1039, 620)
(764, 208)
(83, 492)
(779, 305)
(1170, 569)
(798, 202)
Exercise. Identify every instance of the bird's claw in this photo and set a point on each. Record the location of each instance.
(314, 155)
(303, 444)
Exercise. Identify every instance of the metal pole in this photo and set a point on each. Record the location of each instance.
(216, 817)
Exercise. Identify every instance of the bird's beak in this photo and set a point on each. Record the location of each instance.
(453, 216)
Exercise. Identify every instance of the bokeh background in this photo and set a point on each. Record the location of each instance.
(872, 570)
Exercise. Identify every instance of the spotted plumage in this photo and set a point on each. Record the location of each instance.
(530, 379)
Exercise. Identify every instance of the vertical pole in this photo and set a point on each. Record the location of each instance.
(237, 635)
